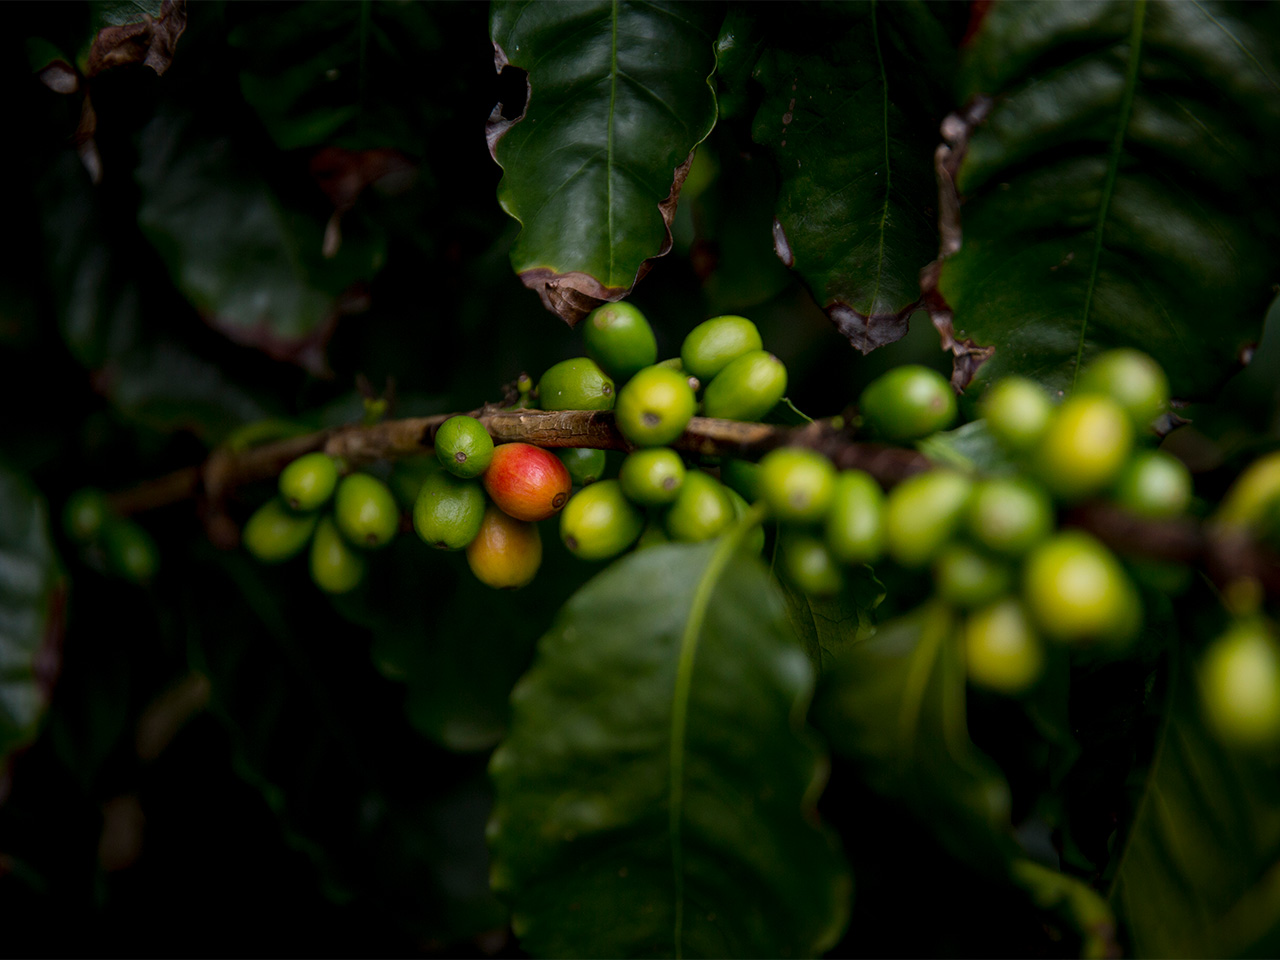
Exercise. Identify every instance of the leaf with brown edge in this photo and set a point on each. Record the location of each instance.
(617, 96)
(135, 31)
(1109, 183)
(851, 126)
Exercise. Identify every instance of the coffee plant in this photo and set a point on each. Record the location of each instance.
(641, 479)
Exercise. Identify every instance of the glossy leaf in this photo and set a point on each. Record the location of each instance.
(618, 96)
(655, 795)
(339, 74)
(245, 258)
(895, 704)
(827, 626)
(1198, 876)
(1114, 173)
(852, 130)
(32, 598)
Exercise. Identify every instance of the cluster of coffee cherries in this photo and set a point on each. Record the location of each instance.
(113, 543)
(364, 516)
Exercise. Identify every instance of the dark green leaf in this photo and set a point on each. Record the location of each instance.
(618, 97)
(1199, 871)
(249, 261)
(655, 795)
(853, 129)
(826, 626)
(339, 74)
(1116, 172)
(895, 704)
(32, 598)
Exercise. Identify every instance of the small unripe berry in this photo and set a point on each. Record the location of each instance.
(1009, 515)
(84, 515)
(366, 511)
(808, 564)
(527, 482)
(1240, 686)
(713, 344)
(335, 566)
(577, 384)
(1154, 484)
(747, 388)
(654, 407)
(1017, 412)
(308, 482)
(1085, 445)
(855, 520)
(969, 578)
(464, 447)
(652, 476)
(599, 522)
(1077, 591)
(797, 484)
(619, 338)
(908, 403)
(448, 511)
(1132, 379)
(922, 513)
(507, 552)
(1002, 651)
(585, 465)
(275, 533)
(702, 509)
(131, 553)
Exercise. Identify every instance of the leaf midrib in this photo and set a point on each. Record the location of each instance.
(613, 98)
(888, 174)
(1113, 168)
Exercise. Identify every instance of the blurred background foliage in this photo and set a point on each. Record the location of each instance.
(297, 212)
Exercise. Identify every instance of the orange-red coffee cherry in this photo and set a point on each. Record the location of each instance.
(506, 553)
(527, 482)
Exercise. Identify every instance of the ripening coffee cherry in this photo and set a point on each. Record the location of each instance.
(448, 511)
(335, 566)
(970, 578)
(585, 466)
(753, 540)
(1009, 515)
(620, 340)
(654, 407)
(1132, 379)
(701, 510)
(1077, 591)
(1085, 445)
(713, 344)
(1240, 686)
(652, 476)
(742, 476)
(365, 511)
(507, 552)
(1154, 484)
(308, 482)
(1002, 651)
(130, 551)
(855, 519)
(275, 533)
(922, 513)
(577, 384)
(908, 403)
(747, 388)
(1017, 412)
(85, 513)
(464, 447)
(808, 563)
(797, 484)
(527, 482)
(600, 522)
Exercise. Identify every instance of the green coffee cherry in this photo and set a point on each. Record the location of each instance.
(1017, 412)
(585, 466)
(652, 476)
(701, 510)
(969, 578)
(747, 388)
(577, 384)
(653, 536)
(308, 482)
(131, 553)
(654, 407)
(1154, 484)
(855, 520)
(1077, 591)
(808, 564)
(464, 447)
(599, 522)
(1009, 515)
(365, 511)
(85, 513)
(1240, 686)
(797, 484)
(908, 403)
(753, 541)
(448, 511)
(1132, 379)
(1002, 651)
(275, 533)
(335, 566)
(408, 476)
(742, 476)
(1085, 445)
(620, 340)
(922, 513)
(1253, 497)
(713, 344)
